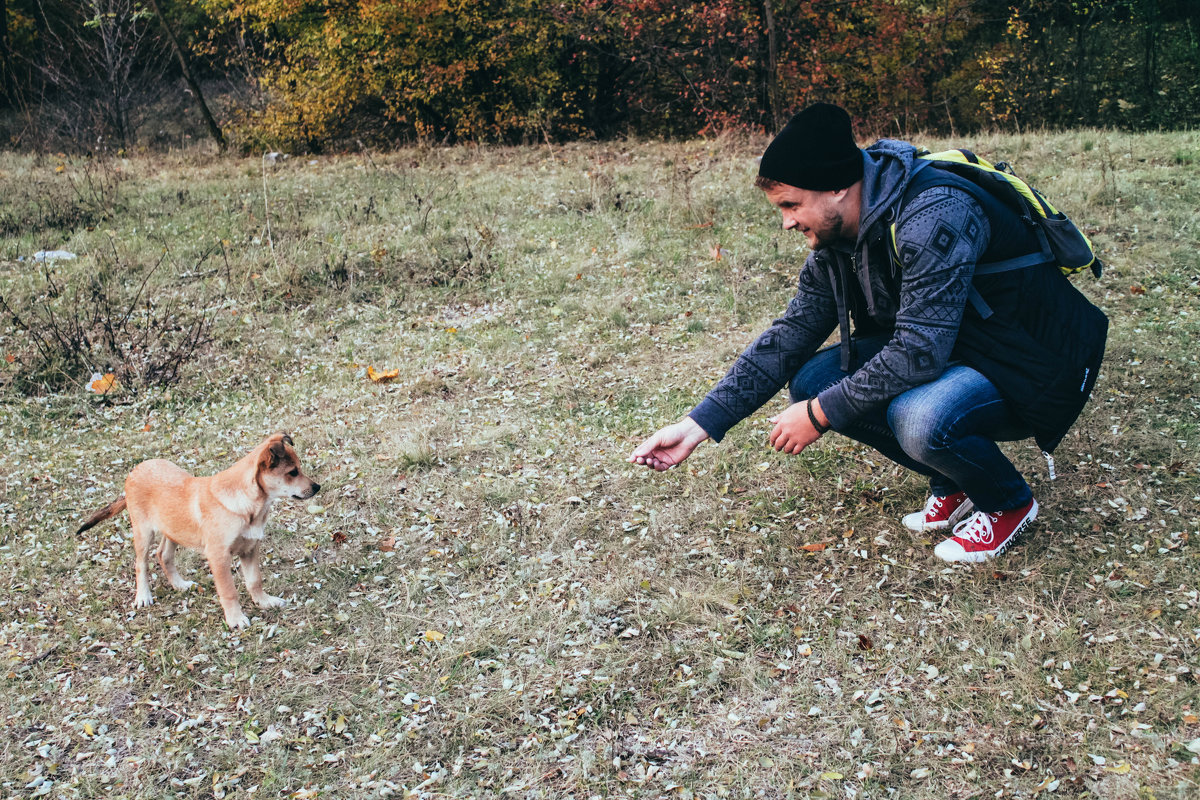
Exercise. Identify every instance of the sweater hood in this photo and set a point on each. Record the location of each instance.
(887, 167)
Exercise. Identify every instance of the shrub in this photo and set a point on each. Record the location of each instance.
(65, 329)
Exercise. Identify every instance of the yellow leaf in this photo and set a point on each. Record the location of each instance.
(434, 636)
(102, 384)
(1119, 769)
(831, 776)
(382, 377)
(340, 724)
(87, 729)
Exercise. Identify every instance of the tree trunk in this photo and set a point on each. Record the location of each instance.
(213, 128)
(1150, 60)
(772, 68)
(5, 56)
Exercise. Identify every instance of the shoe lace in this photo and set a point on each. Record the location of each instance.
(934, 504)
(977, 527)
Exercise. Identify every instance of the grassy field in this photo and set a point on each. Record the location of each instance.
(485, 599)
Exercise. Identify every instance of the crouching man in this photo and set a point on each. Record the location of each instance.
(936, 363)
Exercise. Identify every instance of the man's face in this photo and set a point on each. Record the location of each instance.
(820, 216)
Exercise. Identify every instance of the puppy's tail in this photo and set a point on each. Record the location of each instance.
(108, 512)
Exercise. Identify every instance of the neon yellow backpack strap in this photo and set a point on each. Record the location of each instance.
(1058, 235)
(1031, 195)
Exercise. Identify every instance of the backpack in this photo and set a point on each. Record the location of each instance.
(1062, 243)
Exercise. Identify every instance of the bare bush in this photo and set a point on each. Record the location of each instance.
(65, 330)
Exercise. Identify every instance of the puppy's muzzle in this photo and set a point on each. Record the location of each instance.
(313, 489)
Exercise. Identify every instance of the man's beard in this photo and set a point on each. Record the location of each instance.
(830, 231)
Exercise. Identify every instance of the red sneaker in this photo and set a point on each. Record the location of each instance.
(982, 535)
(939, 513)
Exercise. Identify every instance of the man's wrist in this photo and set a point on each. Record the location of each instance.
(696, 432)
(821, 427)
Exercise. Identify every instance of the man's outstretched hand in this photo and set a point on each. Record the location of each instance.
(669, 446)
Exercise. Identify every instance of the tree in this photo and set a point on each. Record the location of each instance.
(214, 129)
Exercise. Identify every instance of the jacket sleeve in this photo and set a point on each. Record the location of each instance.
(940, 235)
(775, 356)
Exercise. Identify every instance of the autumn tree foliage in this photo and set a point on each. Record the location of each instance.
(320, 74)
(440, 69)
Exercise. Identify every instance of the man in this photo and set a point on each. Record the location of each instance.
(943, 363)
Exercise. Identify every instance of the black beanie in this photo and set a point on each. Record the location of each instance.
(815, 150)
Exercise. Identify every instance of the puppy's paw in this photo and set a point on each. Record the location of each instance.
(237, 620)
(271, 601)
(183, 585)
(143, 599)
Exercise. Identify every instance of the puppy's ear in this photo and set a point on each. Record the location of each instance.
(276, 453)
(287, 439)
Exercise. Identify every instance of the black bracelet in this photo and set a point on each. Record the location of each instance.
(813, 418)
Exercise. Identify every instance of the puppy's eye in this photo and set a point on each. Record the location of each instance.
(293, 473)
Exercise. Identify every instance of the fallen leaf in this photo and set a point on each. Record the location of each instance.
(1119, 769)
(864, 642)
(1135, 289)
(102, 384)
(382, 377)
(434, 636)
(10, 358)
(813, 547)
(387, 545)
(340, 538)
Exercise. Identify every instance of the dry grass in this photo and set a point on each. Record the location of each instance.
(488, 599)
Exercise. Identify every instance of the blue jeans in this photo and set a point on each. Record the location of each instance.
(946, 429)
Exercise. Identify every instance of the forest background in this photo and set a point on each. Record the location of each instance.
(88, 75)
(466, 342)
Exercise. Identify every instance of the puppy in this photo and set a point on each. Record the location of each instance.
(223, 516)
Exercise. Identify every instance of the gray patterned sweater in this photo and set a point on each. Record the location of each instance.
(941, 233)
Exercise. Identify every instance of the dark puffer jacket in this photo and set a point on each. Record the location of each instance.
(1034, 335)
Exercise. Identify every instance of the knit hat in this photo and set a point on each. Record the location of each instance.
(815, 150)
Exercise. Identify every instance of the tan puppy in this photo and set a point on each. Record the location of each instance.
(223, 516)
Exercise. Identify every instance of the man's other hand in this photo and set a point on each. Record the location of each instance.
(670, 445)
(793, 430)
